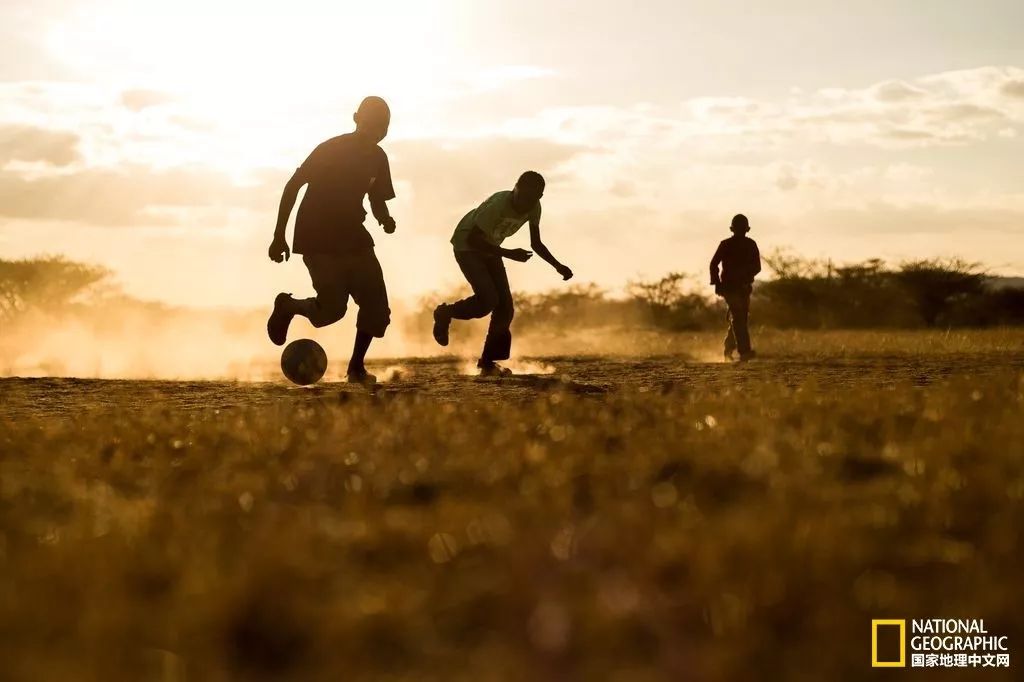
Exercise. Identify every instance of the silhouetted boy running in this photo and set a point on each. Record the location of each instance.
(329, 233)
(740, 262)
(477, 242)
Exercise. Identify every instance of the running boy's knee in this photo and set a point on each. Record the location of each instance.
(322, 310)
(325, 321)
(373, 320)
(486, 302)
(504, 310)
(327, 312)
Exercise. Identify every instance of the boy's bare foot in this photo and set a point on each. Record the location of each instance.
(280, 319)
(361, 376)
(492, 369)
(442, 321)
(749, 355)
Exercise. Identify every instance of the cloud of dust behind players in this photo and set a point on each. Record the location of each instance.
(138, 341)
(131, 340)
(64, 318)
(132, 343)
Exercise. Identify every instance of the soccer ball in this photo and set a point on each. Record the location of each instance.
(304, 362)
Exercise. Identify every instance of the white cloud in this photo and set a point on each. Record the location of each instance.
(129, 196)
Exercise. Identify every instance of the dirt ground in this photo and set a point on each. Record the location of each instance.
(451, 379)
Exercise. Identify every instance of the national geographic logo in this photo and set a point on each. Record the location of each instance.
(892, 634)
(937, 643)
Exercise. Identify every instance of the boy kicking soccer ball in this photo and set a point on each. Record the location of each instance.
(329, 233)
(477, 242)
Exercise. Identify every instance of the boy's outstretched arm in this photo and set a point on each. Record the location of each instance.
(479, 242)
(279, 250)
(538, 246)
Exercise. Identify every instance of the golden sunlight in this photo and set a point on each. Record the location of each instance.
(244, 67)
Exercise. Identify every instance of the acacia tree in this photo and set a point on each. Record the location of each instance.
(669, 304)
(933, 285)
(660, 294)
(50, 284)
(798, 294)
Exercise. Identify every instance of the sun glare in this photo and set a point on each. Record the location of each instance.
(261, 70)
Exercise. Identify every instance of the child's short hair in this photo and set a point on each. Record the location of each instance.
(531, 180)
(374, 106)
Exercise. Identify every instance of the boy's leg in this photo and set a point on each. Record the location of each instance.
(498, 344)
(482, 301)
(371, 295)
(479, 272)
(357, 363)
(730, 334)
(327, 275)
(739, 307)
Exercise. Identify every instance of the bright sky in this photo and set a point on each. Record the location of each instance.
(155, 137)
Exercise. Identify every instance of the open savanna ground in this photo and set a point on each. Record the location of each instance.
(664, 516)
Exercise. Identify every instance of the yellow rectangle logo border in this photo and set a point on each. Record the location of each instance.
(902, 662)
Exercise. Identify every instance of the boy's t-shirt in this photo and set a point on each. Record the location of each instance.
(340, 172)
(740, 260)
(496, 219)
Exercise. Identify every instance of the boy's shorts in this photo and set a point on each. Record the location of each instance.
(358, 274)
(725, 290)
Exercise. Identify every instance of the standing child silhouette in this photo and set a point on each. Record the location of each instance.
(740, 261)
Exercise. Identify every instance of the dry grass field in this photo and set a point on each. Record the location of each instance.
(657, 517)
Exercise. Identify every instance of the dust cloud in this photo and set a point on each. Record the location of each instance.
(132, 340)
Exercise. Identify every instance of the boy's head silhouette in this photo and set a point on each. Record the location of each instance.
(740, 224)
(373, 118)
(528, 191)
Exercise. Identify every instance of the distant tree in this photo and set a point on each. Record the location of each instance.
(786, 265)
(659, 294)
(50, 284)
(574, 306)
(560, 300)
(668, 303)
(1005, 306)
(933, 285)
(863, 295)
(796, 296)
(581, 306)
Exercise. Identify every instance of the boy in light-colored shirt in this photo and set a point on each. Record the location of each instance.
(477, 242)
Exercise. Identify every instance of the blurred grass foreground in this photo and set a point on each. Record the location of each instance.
(745, 526)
